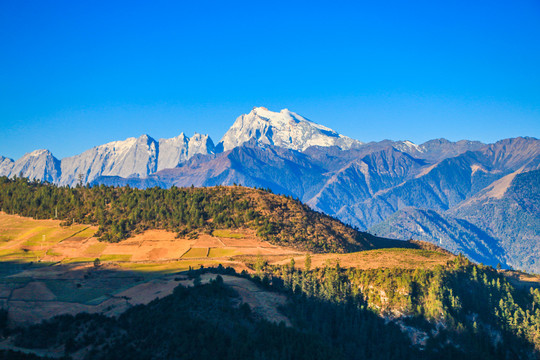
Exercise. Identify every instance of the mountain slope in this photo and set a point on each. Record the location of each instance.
(501, 224)
(432, 151)
(455, 235)
(512, 215)
(449, 182)
(361, 179)
(440, 149)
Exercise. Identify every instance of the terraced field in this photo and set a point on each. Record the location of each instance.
(47, 269)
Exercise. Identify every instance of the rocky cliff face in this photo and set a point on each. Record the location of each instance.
(175, 151)
(130, 158)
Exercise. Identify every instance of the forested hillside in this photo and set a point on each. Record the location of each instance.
(460, 310)
(122, 211)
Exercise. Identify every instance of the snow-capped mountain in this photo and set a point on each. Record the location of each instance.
(35, 165)
(175, 151)
(284, 129)
(133, 157)
(6, 164)
(143, 156)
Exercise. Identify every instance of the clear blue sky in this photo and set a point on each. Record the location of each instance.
(75, 74)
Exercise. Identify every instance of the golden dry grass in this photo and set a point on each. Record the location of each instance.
(222, 252)
(373, 259)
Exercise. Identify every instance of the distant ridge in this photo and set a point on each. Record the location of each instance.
(144, 156)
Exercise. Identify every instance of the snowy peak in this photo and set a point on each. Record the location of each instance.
(409, 147)
(37, 165)
(133, 157)
(174, 151)
(284, 129)
(6, 164)
(200, 144)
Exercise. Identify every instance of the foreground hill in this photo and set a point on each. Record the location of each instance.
(49, 269)
(120, 212)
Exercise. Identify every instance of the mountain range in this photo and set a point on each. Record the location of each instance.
(466, 196)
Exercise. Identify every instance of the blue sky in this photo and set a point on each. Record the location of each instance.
(76, 74)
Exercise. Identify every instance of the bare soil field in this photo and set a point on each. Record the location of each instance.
(25, 239)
